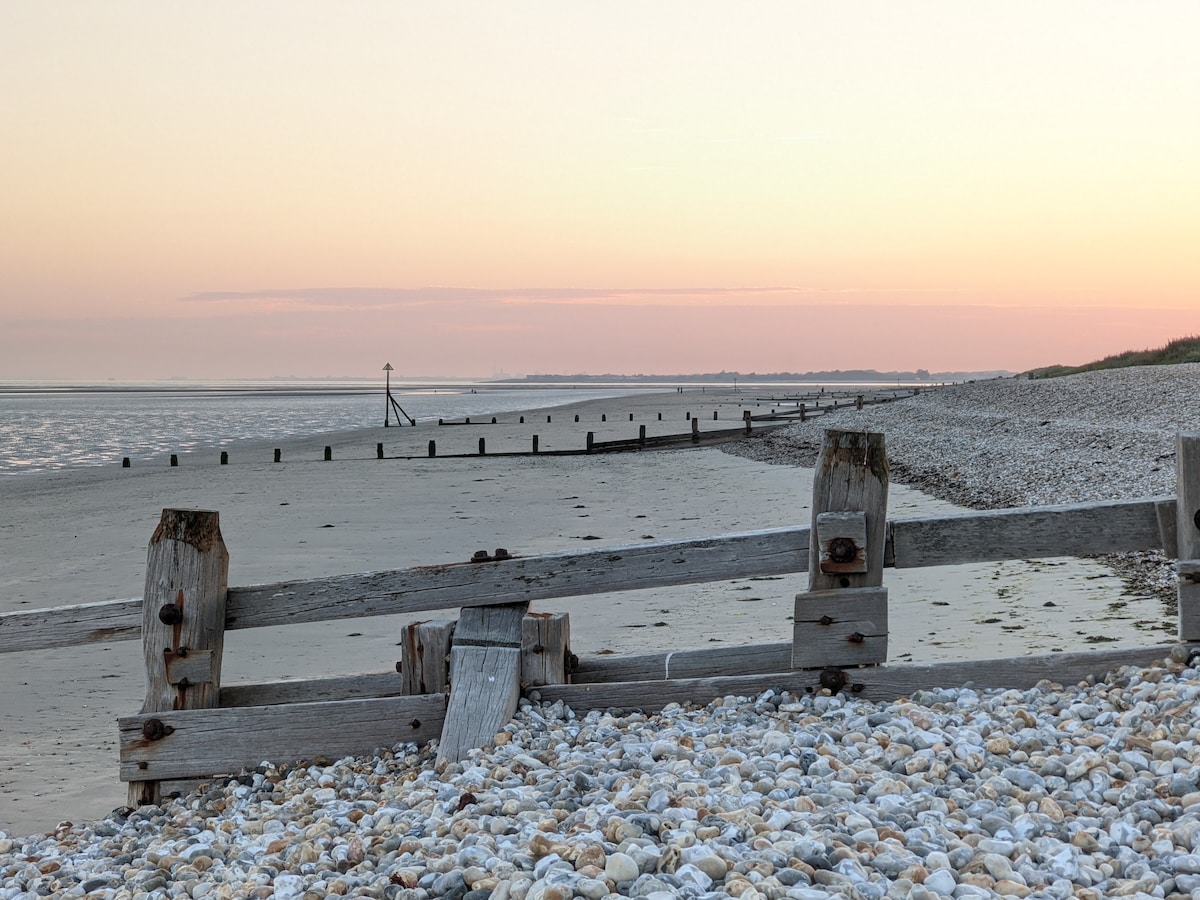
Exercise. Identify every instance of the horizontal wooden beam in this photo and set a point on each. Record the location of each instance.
(1073, 530)
(1078, 529)
(772, 552)
(879, 683)
(312, 690)
(710, 661)
(196, 743)
(68, 626)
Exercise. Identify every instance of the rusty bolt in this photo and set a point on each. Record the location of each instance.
(538, 648)
(415, 723)
(857, 687)
(155, 730)
(857, 638)
(825, 620)
(842, 550)
(170, 614)
(833, 679)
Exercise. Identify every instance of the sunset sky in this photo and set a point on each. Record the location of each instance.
(255, 189)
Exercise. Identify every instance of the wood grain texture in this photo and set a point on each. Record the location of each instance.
(841, 627)
(225, 741)
(881, 683)
(778, 551)
(69, 626)
(1029, 533)
(183, 619)
(311, 690)
(485, 677)
(1187, 493)
(1066, 530)
(851, 476)
(1189, 599)
(545, 643)
(425, 657)
(708, 661)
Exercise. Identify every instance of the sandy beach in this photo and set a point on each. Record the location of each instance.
(80, 536)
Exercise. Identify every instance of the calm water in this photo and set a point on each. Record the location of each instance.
(44, 427)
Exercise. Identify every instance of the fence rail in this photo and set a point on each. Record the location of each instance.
(1022, 533)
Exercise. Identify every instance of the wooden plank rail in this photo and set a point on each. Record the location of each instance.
(1023, 533)
(201, 742)
(881, 683)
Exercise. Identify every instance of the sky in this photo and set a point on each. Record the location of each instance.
(254, 189)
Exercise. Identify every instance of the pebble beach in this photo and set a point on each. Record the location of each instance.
(1078, 790)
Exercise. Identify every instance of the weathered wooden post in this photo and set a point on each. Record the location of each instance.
(174, 459)
(485, 677)
(1187, 527)
(125, 462)
(425, 658)
(603, 417)
(576, 417)
(522, 420)
(631, 417)
(535, 443)
(803, 412)
(183, 622)
(432, 449)
(379, 451)
(591, 441)
(482, 447)
(545, 646)
(695, 430)
(224, 457)
(748, 420)
(714, 415)
(328, 454)
(842, 619)
(642, 435)
(278, 454)
(858, 403)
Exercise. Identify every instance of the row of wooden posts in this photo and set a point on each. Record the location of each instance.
(192, 726)
(802, 412)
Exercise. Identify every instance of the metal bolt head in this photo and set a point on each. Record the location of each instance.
(170, 614)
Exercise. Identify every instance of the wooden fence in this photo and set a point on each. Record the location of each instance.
(192, 726)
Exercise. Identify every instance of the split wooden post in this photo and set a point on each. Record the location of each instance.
(485, 677)
(545, 647)
(842, 618)
(424, 660)
(1187, 528)
(183, 622)
(695, 430)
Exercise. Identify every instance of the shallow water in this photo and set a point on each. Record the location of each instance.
(43, 430)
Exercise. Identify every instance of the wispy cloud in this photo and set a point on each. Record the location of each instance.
(437, 298)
